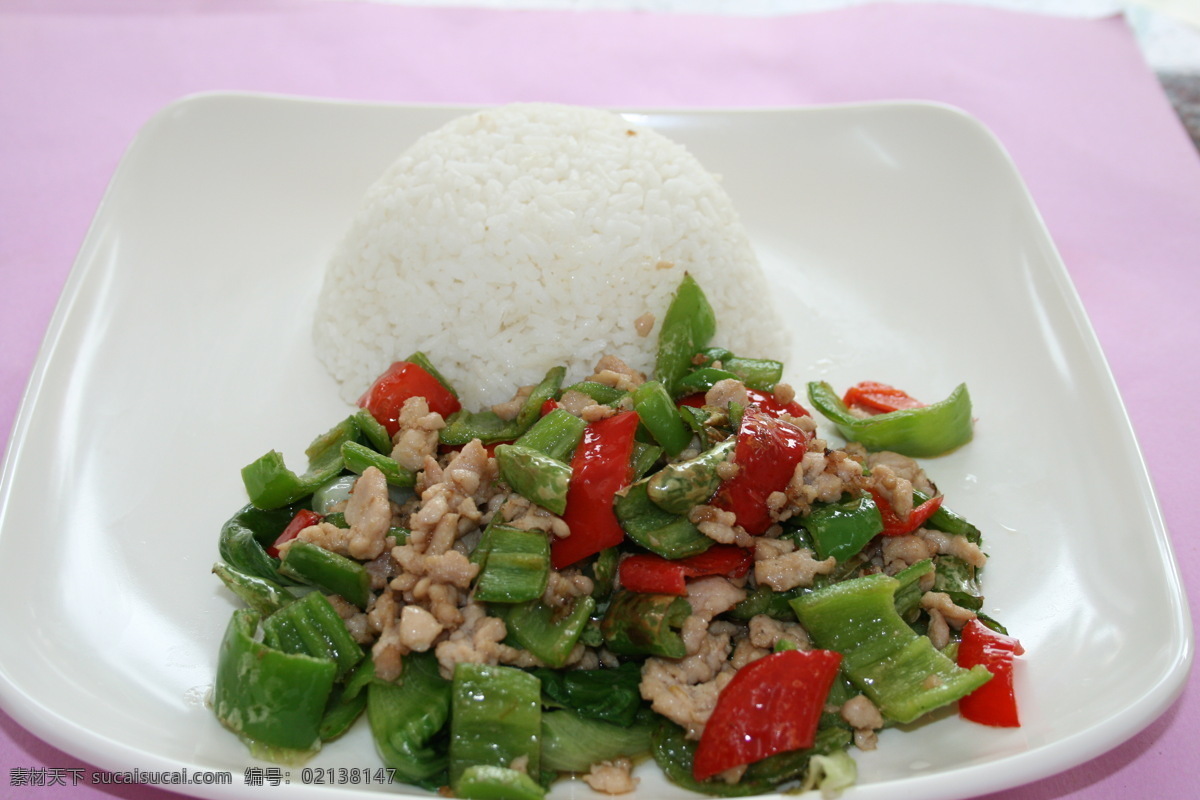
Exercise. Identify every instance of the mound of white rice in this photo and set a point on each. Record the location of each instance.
(526, 236)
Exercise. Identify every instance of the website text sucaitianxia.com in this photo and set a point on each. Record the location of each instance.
(35, 777)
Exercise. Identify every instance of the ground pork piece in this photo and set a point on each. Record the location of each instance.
(685, 691)
(417, 436)
(720, 526)
(418, 628)
(783, 393)
(563, 587)
(509, 409)
(957, 546)
(612, 371)
(644, 324)
(900, 552)
(955, 614)
(766, 632)
(584, 407)
(903, 467)
(354, 617)
(713, 595)
(895, 489)
(788, 570)
(822, 476)
(864, 717)
(938, 629)
(369, 514)
(519, 512)
(725, 392)
(476, 640)
(612, 777)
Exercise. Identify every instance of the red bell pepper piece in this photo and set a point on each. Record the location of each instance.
(760, 400)
(767, 452)
(303, 519)
(771, 706)
(599, 468)
(549, 406)
(894, 525)
(994, 703)
(401, 381)
(879, 397)
(653, 574)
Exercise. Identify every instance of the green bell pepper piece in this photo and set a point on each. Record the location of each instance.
(245, 536)
(924, 432)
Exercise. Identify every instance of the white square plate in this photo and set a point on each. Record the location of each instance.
(906, 250)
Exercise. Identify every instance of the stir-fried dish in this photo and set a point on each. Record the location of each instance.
(673, 567)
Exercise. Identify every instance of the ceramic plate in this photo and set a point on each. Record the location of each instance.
(906, 249)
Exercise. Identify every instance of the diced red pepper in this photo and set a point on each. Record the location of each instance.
(401, 381)
(695, 400)
(771, 706)
(894, 525)
(879, 398)
(303, 519)
(994, 703)
(549, 406)
(766, 453)
(653, 574)
(599, 469)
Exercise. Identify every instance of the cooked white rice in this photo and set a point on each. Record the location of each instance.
(530, 235)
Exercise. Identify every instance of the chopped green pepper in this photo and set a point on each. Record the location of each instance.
(406, 718)
(897, 669)
(638, 624)
(924, 432)
(331, 572)
(496, 718)
(687, 327)
(535, 476)
(267, 696)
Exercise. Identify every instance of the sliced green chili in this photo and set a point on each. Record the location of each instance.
(535, 476)
(266, 696)
(669, 535)
(311, 626)
(897, 669)
(638, 624)
(515, 565)
(489, 782)
(246, 535)
(489, 427)
(328, 571)
(262, 595)
(843, 528)
(680, 487)
(923, 432)
(687, 327)
(549, 633)
(555, 434)
(657, 412)
(358, 457)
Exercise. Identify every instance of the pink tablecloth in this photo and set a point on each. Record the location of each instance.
(1108, 164)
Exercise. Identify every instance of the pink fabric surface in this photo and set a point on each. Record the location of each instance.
(1108, 164)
